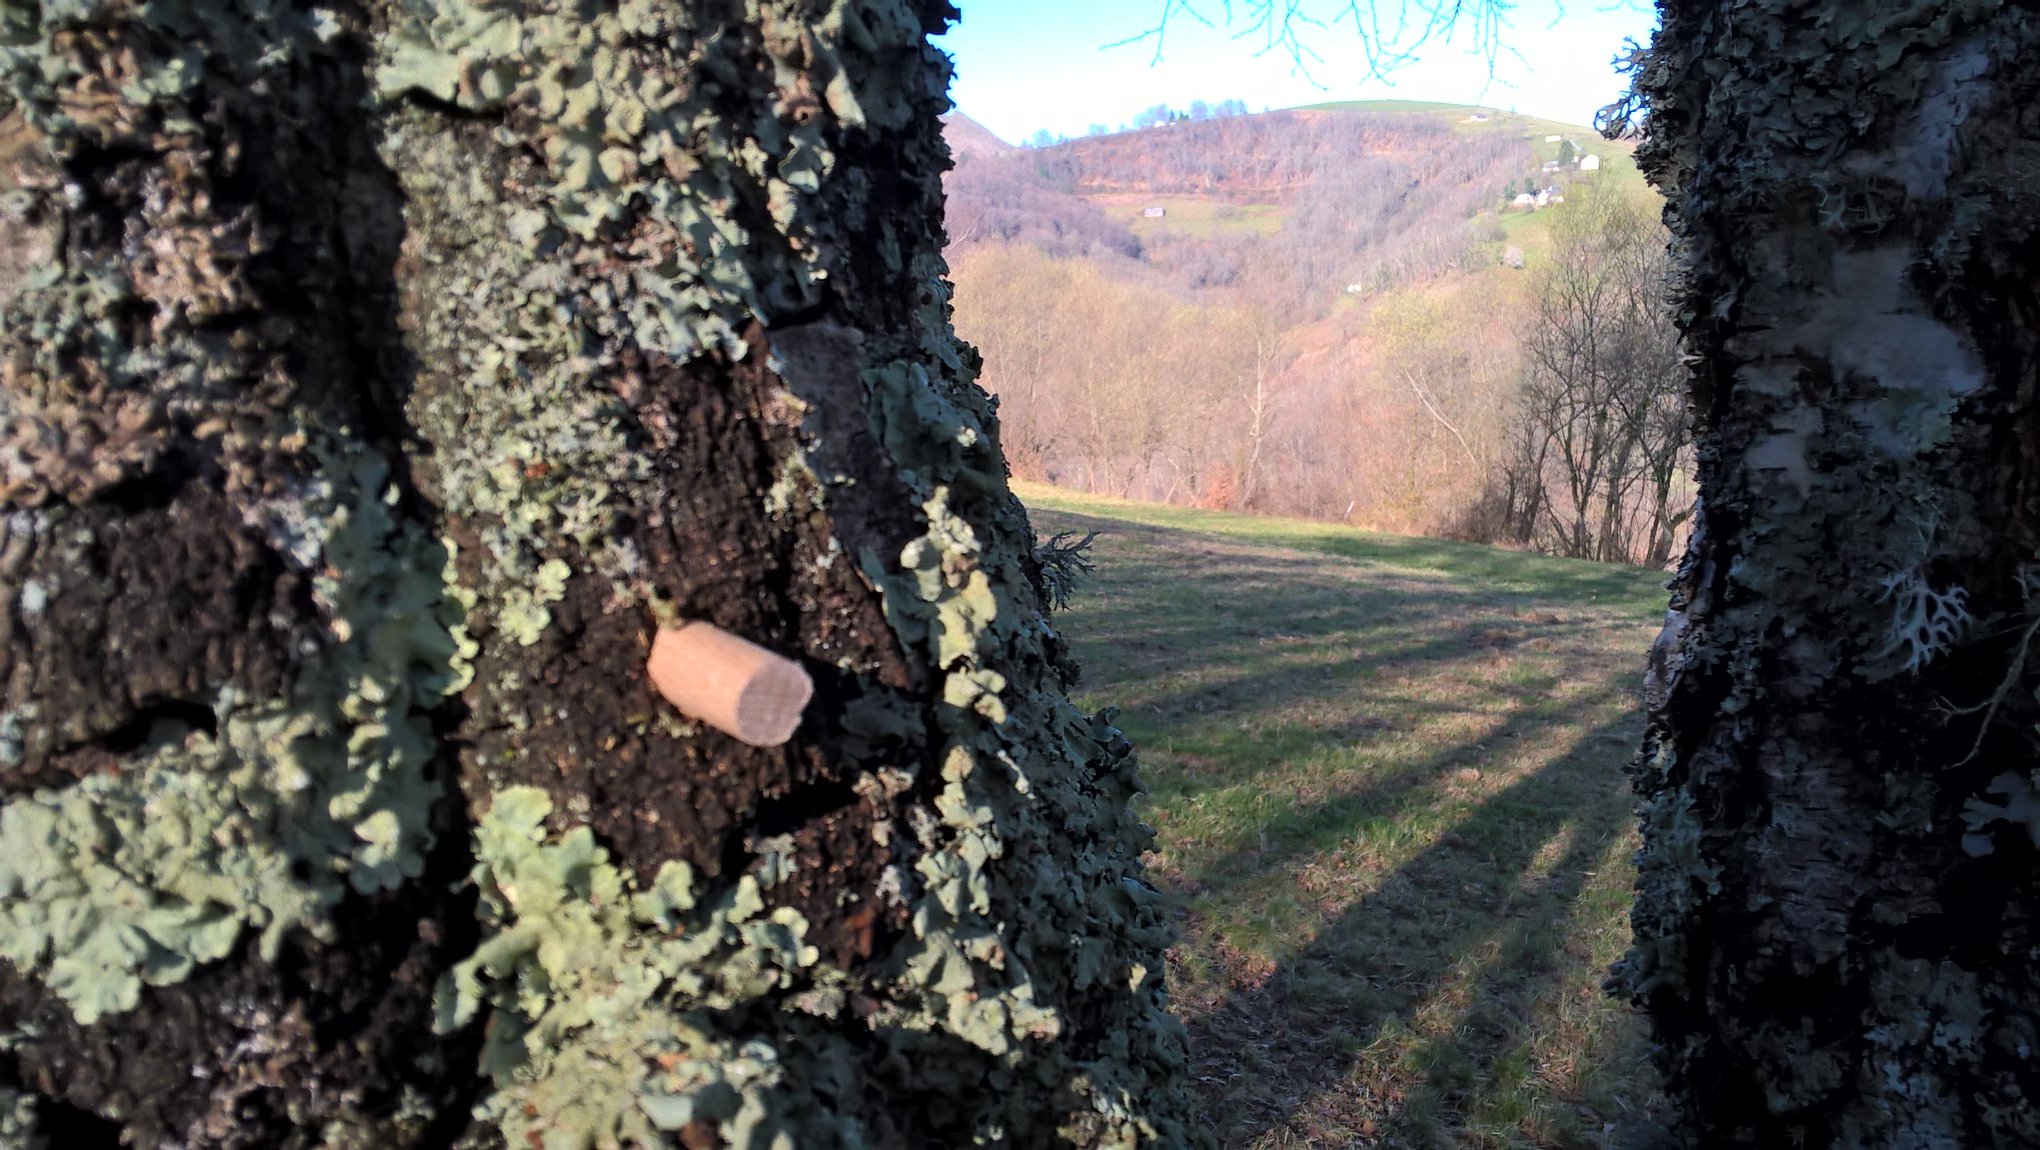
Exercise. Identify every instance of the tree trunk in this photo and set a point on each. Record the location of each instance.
(1257, 429)
(1836, 922)
(378, 378)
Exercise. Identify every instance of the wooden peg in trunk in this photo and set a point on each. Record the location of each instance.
(730, 683)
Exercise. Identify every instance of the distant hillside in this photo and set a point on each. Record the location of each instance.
(969, 139)
(1311, 312)
(1306, 203)
(1277, 154)
(1000, 194)
(1300, 204)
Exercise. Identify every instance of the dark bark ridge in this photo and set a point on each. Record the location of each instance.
(224, 626)
(1835, 918)
(633, 312)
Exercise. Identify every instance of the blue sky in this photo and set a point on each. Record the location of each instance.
(1024, 65)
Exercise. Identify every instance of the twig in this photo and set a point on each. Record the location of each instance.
(2029, 581)
(1411, 379)
(1990, 706)
(1391, 32)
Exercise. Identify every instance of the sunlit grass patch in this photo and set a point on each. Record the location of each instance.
(1386, 778)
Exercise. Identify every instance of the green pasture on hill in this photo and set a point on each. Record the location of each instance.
(1208, 218)
(1386, 776)
(1616, 157)
(1196, 216)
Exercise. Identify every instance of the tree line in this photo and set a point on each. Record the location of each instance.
(1195, 112)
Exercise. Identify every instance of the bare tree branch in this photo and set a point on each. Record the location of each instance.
(1410, 378)
(1624, 117)
(1392, 33)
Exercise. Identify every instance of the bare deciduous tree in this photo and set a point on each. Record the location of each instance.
(1603, 426)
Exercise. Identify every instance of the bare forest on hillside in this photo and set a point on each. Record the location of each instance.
(1329, 314)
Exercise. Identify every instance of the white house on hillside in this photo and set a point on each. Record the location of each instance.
(1590, 163)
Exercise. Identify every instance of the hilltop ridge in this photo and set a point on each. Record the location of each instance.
(1379, 194)
(970, 139)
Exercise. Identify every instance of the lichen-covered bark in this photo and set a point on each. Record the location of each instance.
(384, 376)
(1835, 919)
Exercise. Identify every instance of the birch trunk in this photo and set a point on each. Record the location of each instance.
(376, 380)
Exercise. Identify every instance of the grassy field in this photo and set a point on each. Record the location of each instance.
(1386, 775)
(1198, 216)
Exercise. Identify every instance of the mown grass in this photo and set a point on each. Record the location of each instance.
(1386, 777)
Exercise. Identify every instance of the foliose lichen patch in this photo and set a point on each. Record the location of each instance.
(248, 804)
(260, 823)
(586, 320)
(226, 629)
(628, 261)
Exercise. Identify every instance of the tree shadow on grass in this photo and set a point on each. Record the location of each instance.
(1192, 632)
(1329, 1045)
(1541, 577)
(1346, 814)
(1324, 720)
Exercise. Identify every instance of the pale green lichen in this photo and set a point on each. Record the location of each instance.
(615, 131)
(529, 454)
(598, 1030)
(530, 448)
(599, 993)
(619, 1014)
(138, 877)
(19, 1129)
(1012, 775)
(122, 880)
